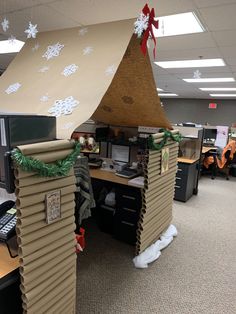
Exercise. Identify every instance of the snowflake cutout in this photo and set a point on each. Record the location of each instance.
(69, 69)
(87, 50)
(12, 39)
(197, 74)
(36, 47)
(83, 31)
(44, 69)
(110, 70)
(44, 98)
(63, 106)
(5, 24)
(53, 51)
(31, 31)
(68, 125)
(141, 24)
(13, 88)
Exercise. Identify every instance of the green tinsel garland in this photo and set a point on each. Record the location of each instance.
(166, 136)
(59, 168)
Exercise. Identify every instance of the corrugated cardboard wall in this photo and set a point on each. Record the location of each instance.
(158, 193)
(46, 251)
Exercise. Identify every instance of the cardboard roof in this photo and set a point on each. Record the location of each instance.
(79, 73)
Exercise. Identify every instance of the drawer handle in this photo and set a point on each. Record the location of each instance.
(178, 178)
(127, 223)
(179, 169)
(177, 186)
(129, 197)
(129, 209)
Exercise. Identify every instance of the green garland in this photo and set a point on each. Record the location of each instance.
(167, 134)
(59, 168)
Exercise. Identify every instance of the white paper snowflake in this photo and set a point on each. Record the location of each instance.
(197, 74)
(5, 24)
(53, 51)
(68, 125)
(44, 98)
(31, 31)
(83, 31)
(87, 50)
(12, 39)
(141, 24)
(110, 70)
(44, 69)
(13, 88)
(36, 47)
(63, 106)
(69, 69)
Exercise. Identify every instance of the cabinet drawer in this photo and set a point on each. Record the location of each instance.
(128, 198)
(125, 231)
(182, 169)
(127, 214)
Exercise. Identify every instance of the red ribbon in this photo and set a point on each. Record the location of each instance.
(149, 30)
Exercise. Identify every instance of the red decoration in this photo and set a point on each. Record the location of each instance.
(149, 31)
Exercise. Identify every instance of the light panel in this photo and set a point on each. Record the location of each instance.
(210, 80)
(7, 46)
(222, 89)
(178, 24)
(200, 63)
(223, 95)
(159, 90)
(167, 95)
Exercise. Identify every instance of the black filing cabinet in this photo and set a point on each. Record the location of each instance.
(128, 204)
(185, 180)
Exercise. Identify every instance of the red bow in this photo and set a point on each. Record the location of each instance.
(149, 30)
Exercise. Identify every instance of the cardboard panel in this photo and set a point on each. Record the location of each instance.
(75, 67)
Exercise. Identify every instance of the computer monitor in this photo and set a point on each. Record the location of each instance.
(87, 142)
(210, 134)
(120, 153)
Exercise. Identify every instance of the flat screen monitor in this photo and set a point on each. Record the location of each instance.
(210, 134)
(120, 153)
(87, 142)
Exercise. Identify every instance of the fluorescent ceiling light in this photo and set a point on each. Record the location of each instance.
(167, 94)
(7, 46)
(178, 24)
(218, 89)
(159, 90)
(223, 95)
(209, 80)
(200, 63)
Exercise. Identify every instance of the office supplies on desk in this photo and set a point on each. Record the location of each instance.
(127, 173)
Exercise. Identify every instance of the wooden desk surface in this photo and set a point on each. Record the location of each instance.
(206, 149)
(187, 160)
(107, 176)
(7, 264)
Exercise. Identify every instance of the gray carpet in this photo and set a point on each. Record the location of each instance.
(195, 274)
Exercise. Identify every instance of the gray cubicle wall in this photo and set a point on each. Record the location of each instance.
(196, 110)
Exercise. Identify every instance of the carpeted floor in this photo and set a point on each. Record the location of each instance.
(195, 274)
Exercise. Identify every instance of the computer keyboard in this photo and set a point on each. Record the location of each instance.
(127, 173)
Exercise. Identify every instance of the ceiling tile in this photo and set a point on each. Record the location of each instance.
(182, 42)
(220, 17)
(225, 38)
(210, 3)
(229, 54)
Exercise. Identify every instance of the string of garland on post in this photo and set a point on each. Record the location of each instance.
(60, 168)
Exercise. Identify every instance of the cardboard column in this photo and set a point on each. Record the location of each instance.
(46, 251)
(157, 195)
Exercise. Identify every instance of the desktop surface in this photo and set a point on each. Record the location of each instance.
(7, 264)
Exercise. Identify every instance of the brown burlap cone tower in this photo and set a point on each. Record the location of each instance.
(46, 251)
(132, 99)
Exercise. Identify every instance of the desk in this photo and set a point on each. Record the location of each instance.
(206, 149)
(7, 264)
(107, 176)
(10, 295)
